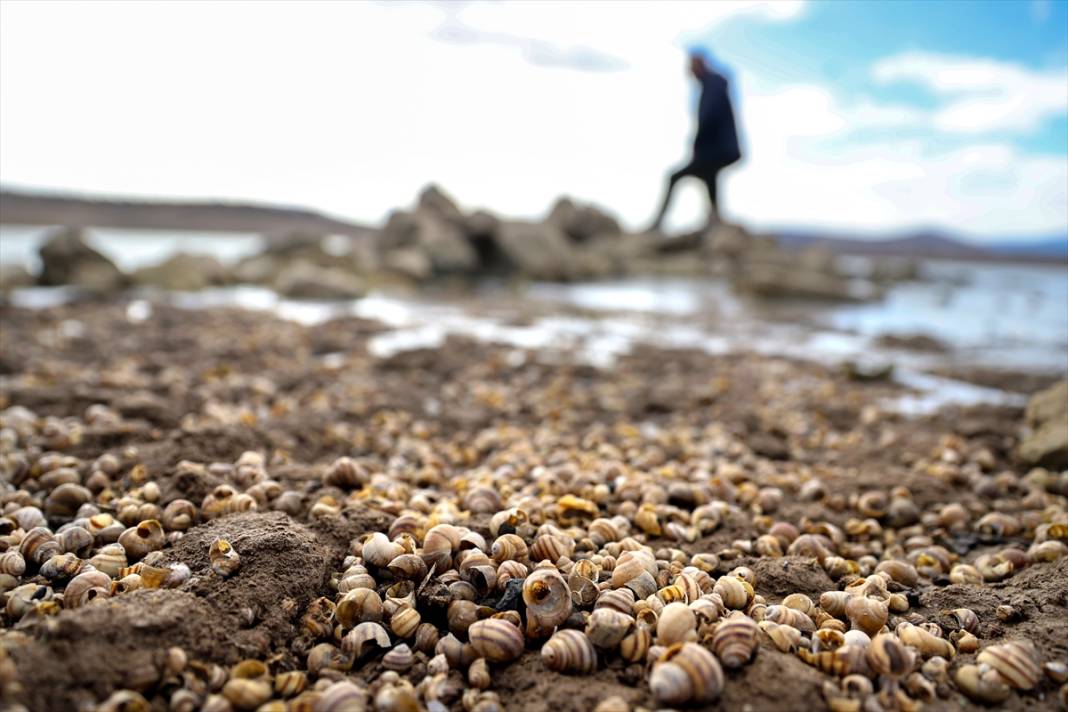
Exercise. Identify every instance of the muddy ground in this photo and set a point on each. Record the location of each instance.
(206, 386)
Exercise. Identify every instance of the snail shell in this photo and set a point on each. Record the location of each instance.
(508, 570)
(966, 619)
(791, 617)
(888, 656)
(548, 602)
(365, 638)
(685, 673)
(438, 544)
(509, 547)
(225, 560)
(1016, 662)
(12, 563)
(458, 654)
(785, 637)
(124, 701)
(924, 641)
(551, 547)
(247, 694)
(676, 623)
(735, 593)
(619, 599)
(145, 537)
(496, 640)
(74, 540)
(359, 605)
(902, 572)
(478, 675)
(800, 602)
(569, 651)
(583, 590)
(379, 551)
(288, 684)
(61, 566)
(867, 614)
(735, 640)
(827, 639)
(982, 684)
(399, 658)
(340, 697)
(86, 587)
(38, 545)
(179, 515)
(345, 473)
(964, 573)
(606, 627)
(405, 621)
(635, 645)
(834, 602)
(632, 564)
(408, 566)
(426, 638)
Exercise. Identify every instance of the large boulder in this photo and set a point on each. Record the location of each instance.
(442, 240)
(304, 280)
(536, 250)
(184, 273)
(434, 201)
(409, 262)
(1045, 442)
(581, 222)
(67, 259)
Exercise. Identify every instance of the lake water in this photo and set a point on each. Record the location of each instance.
(1003, 316)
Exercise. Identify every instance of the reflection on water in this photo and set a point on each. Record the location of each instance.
(1004, 316)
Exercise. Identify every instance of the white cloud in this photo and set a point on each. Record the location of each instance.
(352, 107)
(981, 95)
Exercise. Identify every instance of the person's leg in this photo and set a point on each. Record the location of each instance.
(672, 180)
(711, 180)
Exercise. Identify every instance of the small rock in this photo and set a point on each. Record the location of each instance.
(1045, 443)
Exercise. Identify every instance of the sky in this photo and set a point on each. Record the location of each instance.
(856, 117)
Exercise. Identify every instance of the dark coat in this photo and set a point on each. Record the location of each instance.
(716, 143)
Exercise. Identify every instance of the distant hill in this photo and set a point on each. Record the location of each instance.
(933, 245)
(18, 208)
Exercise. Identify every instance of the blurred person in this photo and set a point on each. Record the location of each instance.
(716, 144)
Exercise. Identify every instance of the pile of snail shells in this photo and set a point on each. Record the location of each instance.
(585, 564)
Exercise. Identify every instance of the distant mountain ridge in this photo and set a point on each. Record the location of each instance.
(930, 244)
(24, 208)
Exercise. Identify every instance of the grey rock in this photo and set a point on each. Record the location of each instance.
(1045, 440)
(581, 222)
(14, 276)
(184, 272)
(442, 240)
(67, 259)
(409, 262)
(536, 250)
(304, 280)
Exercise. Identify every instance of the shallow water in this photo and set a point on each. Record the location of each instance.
(1003, 316)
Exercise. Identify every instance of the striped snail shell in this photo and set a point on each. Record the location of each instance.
(606, 627)
(404, 621)
(548, 602)
(38, 545)
(630, 565)
(438, 544)
(924, 641)
(982, 683)
(458, 654)
(635, 645)
(379, 551)
(359, 605)
(408, 566)
(551, 547)
(569, 651)
(509, 547)
(478, 674)
(86, 587)
(834, 602)
(147, 536)
(399, 658)
(340, 697)
(619, 599)
(288, 684)
(735, 640)
(786, 638)
(734, 592)
(497, 640)
(686, 673)
(12, 563)
(75, 540)
(800, 602)
(791, 617)
(1016, 661)
(889, 657)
